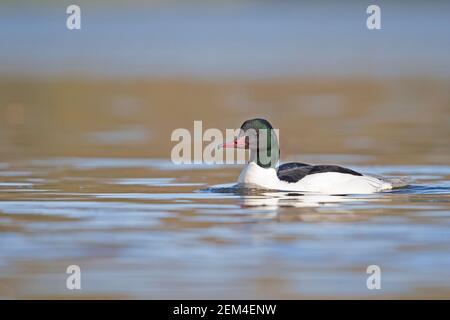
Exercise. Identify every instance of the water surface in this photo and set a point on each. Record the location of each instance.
(145, 228)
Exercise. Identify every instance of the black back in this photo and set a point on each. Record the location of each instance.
(295, 171)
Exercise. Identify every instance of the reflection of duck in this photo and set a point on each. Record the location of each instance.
(259, 136)
(287, 199)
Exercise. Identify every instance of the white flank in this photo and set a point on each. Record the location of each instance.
(326, 182)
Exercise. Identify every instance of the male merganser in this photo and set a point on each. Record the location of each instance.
(259, 136)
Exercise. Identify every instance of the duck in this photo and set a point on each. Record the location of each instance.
(262, 170)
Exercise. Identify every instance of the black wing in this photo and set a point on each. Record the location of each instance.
(294, 171)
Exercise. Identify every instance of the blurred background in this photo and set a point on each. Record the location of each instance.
(86, 118)
(137, 71)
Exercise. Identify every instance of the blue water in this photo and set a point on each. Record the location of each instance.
(142, 228)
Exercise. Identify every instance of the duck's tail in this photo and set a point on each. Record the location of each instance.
(387, 183)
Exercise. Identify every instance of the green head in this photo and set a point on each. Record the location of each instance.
(259, 136)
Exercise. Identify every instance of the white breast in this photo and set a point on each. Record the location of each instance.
(326, 182)
(255, 175)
